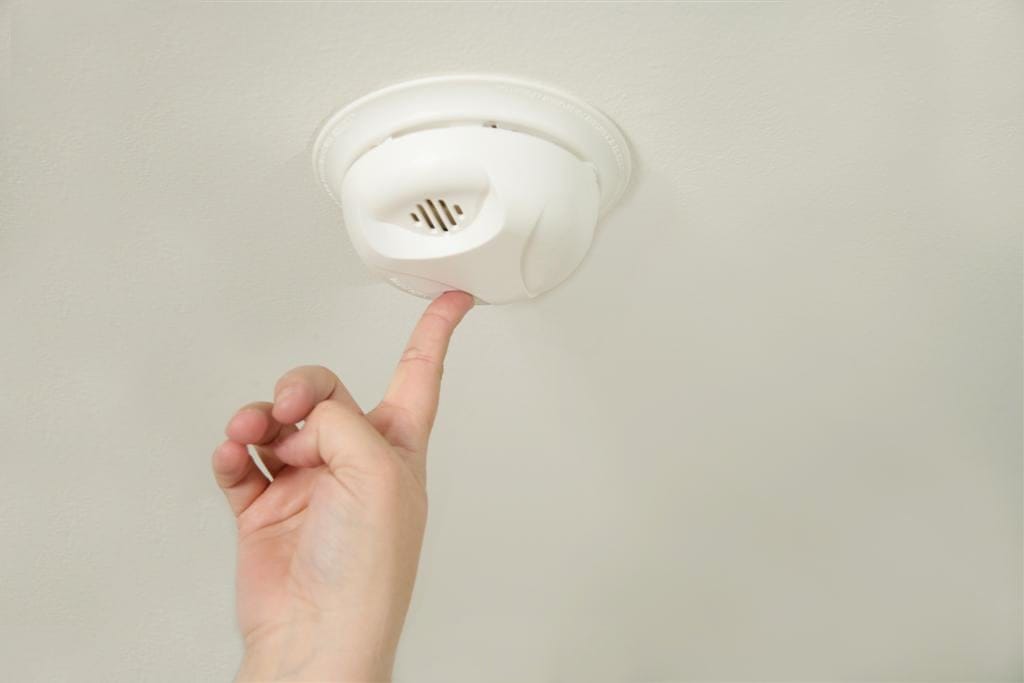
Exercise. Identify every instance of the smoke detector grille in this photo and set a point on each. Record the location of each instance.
(437, 215)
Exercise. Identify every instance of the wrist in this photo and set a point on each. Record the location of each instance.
(316, 652)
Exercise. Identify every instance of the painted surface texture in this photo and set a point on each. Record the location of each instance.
(770, 430)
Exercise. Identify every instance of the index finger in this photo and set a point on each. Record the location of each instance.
(301, 389)
(416, 386)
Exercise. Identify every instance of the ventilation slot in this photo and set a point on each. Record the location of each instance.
(437, 214)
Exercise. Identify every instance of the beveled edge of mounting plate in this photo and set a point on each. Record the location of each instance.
(442, 101)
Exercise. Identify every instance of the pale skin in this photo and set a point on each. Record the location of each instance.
(328, 551)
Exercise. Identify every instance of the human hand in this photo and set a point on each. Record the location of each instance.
(328, 551)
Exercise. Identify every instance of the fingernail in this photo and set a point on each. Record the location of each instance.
(284, 394)
(230, 427)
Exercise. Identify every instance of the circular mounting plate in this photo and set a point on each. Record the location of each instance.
(500, 102)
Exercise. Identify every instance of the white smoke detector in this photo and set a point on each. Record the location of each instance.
(488, 185)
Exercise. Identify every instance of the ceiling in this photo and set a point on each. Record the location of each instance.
(771, 429)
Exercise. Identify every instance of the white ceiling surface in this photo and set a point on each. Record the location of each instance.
(770, 430)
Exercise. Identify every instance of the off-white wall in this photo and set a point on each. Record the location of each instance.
(771, 429)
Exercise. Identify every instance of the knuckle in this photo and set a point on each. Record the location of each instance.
(376, 472)
(433, 313)
(328, 410)
(255, 407)
(303, 374)
(417, 356)
(318, 370)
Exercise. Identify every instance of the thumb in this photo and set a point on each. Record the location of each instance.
(339, 437)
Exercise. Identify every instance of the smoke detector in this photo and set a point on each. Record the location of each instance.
(488, 185)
